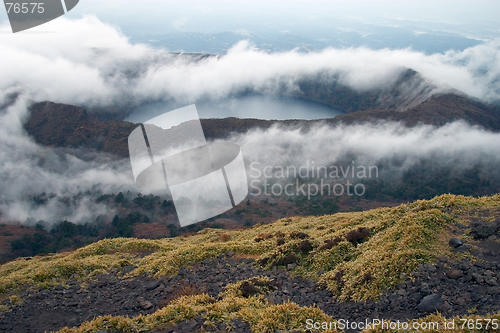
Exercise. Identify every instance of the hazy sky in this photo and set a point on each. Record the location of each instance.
(478, 18)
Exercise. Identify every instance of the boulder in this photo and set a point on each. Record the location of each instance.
(431, 303)
(455, 242)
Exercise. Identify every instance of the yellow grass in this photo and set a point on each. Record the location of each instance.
(400, 239)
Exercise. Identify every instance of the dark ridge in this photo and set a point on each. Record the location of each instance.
(61, 125)
(437, 110)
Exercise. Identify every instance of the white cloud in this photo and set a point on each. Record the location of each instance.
(92, 63)
(457, 146)
(89, 62)
(28, 169)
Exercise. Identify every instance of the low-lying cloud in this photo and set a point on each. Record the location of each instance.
(90, 63)
(72, 183)
(87, 62)
(456, 145)
(28, 170)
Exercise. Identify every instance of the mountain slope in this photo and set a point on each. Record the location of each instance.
(249, 274)
(62, 125)
(437, 110)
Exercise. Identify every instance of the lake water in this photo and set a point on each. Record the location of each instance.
(261, 107)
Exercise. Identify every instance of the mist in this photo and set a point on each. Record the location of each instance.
(89, 63)
(28, 170)
(73, 179)
(457, 145)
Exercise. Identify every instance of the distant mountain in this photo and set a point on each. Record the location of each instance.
(369, 35)
(409, 90)
(220, 43)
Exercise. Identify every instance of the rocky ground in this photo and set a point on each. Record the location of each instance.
(450, 287)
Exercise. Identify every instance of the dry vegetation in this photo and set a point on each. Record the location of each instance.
(356, 255)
